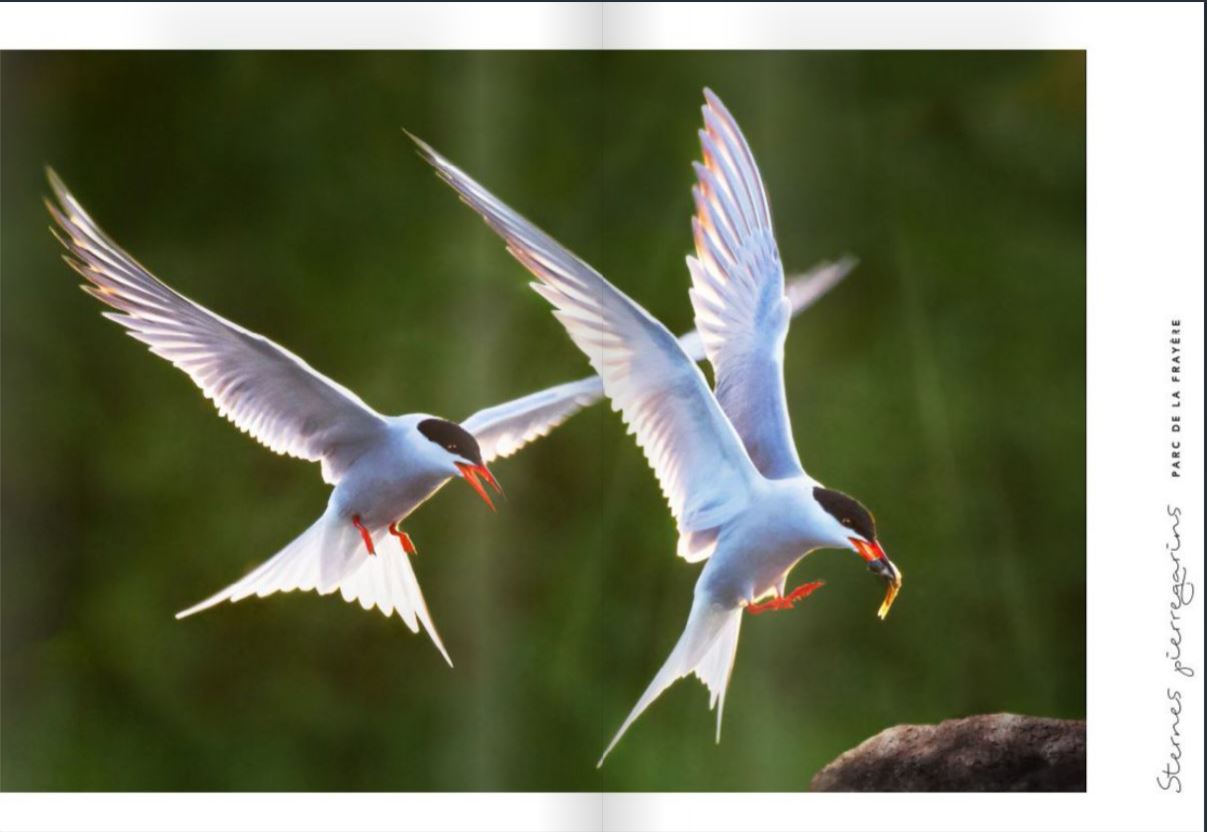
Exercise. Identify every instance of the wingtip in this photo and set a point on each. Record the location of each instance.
(62, 204)
(425, 150)
(714, 102)
(846, 264)
(806, 288)
(56, 184)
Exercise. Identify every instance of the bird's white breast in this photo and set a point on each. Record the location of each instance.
(392, 480)
(758, 546)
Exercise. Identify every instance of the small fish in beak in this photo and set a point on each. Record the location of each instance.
(471, 473)
(881, 566)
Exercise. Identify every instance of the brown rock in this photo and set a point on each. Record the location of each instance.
(986, 753)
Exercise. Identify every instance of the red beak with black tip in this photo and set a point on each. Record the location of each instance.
(472, 473)
(879, 564)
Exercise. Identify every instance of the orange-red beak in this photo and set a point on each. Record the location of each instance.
(471, 473)
(880, 565)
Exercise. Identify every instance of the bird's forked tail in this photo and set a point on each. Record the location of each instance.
(331, 555)
(707, 648)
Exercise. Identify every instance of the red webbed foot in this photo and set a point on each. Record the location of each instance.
(408, 545)
(364, 534)
(805, 590)
(788, 601)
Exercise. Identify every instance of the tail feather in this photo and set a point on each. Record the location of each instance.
(294, 567)
(714, 669)
(707, 648)
(389, 583)
(330, 556)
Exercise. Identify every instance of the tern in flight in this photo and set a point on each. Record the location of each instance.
(382, 467)
(725, 460)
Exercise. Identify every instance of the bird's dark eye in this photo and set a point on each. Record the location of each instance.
(846, 521)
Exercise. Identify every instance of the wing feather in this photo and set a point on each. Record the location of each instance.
(742, 310)
(505, 428)
(699, 461)
(262, 388)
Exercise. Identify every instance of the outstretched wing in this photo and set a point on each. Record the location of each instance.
(264, 389)
(737, 291)
(699, 460)
(503, 429)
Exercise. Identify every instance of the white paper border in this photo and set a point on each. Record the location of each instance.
(1145, 263)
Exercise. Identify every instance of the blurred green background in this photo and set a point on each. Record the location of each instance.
(943, 384)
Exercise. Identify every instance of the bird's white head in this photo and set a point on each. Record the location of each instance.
(454, 449)
(848, 525)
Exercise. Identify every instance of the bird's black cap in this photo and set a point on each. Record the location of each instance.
(848, 511)
(453, 438)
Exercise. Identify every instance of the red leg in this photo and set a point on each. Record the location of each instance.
(408, 545)
(364, 534)
(788, 601)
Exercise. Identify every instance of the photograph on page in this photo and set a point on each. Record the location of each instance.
(775, 483)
